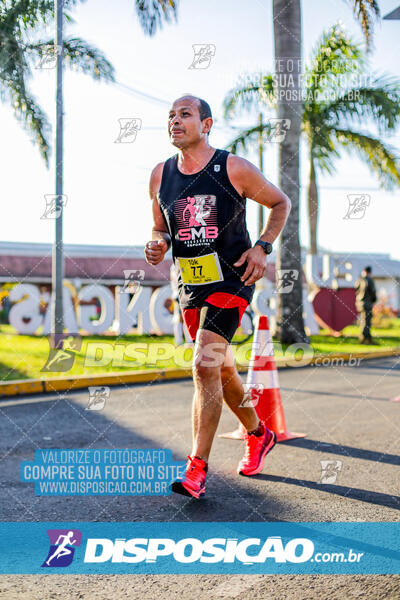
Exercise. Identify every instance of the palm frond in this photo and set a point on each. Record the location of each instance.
(81, 56)
(12, 58)
(323, 149)
(250, 96)
(366, 12)
(25, 14)
(335, 57)
(248, 137)
(380, 158)
(153, 13)
(29, 113)
(379, 102)
(28, 14)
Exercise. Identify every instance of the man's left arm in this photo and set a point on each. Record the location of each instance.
(251, 183)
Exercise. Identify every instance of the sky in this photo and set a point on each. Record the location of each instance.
(106, 183)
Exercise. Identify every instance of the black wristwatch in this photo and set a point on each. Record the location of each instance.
(266, 246)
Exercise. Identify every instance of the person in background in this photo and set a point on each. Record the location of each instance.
(365, 299)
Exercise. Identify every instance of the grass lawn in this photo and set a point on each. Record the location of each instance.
(386, 339)
(23, 356)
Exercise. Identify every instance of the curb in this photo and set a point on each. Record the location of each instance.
(40, 386)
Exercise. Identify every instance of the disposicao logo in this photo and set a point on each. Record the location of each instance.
(61, 551)
(190, 550)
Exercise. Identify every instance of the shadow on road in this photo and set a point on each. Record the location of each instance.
(327, 448)
(335, 394)
(383, 365)
(135, 423)
(339, 490)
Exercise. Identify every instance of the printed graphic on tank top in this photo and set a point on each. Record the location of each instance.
(206, 219)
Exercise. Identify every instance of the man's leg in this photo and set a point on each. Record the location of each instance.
(210, 350)
(368, 319)
(209, 356)
(259, 440)
(362, 325)
(234, 392)
(209, 353)
(191, 320)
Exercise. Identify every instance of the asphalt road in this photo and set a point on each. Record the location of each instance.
(346, 413)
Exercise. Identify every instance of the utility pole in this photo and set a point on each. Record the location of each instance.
(260, 158)
(57, 317)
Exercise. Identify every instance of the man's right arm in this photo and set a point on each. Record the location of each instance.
(161, 240)
(372, 290)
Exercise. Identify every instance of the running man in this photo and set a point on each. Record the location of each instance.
(217, 269)
(62, 549)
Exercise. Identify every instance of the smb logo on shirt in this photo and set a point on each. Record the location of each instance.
(196, 217)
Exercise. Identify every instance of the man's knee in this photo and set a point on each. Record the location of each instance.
(205, 374)
(227, 374)
(209, 354)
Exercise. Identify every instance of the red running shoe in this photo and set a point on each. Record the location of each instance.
(257, 448)
(195, 482)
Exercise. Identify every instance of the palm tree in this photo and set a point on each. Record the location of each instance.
(333, 108)
(21, 22)
(287, 36)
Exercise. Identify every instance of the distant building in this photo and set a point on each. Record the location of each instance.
(394, 15)
(30, 262)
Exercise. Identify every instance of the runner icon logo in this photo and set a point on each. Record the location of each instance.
(62, 359)
(128, 129)
(97, 397)
(357, 206)
(203, 53)
(252, 393)
(62, 547)
(48, 56)
(330, 470)
(285, 280)
(132, 280)
(54, 205)
(278, 129)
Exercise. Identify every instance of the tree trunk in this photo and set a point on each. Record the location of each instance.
(287, 34)
(313, 208)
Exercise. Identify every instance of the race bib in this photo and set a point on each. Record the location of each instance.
(200, 270)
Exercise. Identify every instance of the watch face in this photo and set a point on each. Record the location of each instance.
(266, 246)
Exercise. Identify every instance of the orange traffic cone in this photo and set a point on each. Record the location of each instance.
(262, 378)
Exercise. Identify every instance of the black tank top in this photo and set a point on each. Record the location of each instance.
(204, 213)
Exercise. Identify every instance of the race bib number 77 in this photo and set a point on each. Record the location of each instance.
(200, 270)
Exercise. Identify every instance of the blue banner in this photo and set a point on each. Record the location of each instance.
(192, 548)
(102, 472)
